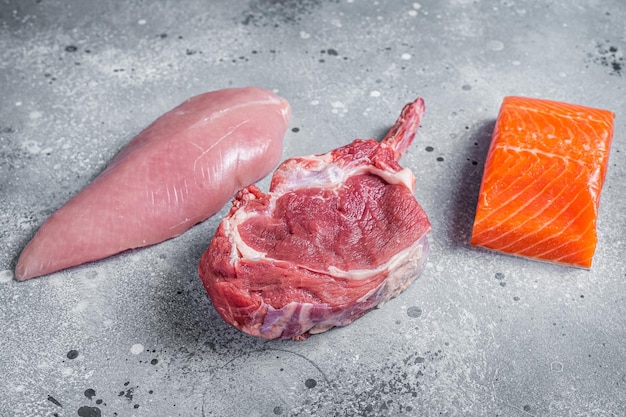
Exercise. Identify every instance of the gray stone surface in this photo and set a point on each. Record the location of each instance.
(478, 334)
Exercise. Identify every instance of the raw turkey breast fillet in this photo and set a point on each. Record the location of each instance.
(177, 172)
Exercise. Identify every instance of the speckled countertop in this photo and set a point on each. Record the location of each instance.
(479, 334)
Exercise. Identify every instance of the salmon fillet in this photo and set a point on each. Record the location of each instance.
(542, 180)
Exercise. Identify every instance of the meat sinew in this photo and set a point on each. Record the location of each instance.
(177, 172)
(337, 235)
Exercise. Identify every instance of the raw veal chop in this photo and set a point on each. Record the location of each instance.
(337, 235)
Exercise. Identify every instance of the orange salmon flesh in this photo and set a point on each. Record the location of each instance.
(542, 180)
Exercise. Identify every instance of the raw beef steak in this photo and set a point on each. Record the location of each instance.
(337, 235)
